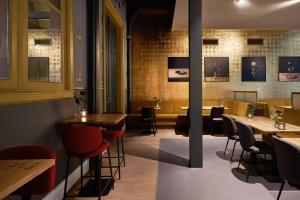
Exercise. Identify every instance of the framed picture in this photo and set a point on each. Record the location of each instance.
(289, 69)
(178, 69)
(254, 69)
(216, 69)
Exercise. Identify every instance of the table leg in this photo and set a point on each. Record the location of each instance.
(98, 163)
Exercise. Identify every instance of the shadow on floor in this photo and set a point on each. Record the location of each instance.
(144, 150)
(173, 159)
(261, 175)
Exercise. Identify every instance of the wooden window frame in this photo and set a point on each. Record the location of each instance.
(18, 89)
(111, 11)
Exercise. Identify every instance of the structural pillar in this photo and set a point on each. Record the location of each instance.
(195, 84)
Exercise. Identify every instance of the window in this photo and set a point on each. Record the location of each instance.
(36, 50)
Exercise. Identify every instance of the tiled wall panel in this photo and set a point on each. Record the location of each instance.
(152, 45)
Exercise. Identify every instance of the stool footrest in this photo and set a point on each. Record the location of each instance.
(90, 188)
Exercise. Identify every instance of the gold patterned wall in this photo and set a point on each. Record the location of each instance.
(52, 51)
(152, 45)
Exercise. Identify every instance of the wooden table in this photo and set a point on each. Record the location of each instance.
(16, 173)
(265, 125)
(295, 141)
(284, 107)
(95, 119)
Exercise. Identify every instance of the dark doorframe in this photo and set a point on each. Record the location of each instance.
(195, 84)
(92, 41)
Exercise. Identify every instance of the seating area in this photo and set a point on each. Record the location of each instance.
(149, 99)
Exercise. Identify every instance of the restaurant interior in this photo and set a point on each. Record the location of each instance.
(150, 99)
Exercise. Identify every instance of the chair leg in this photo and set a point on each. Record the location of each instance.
(249, 170)
(281, 188)
(118, 149)
(233, 151)
(123, 152)
(109, 161)
(98, 165)
(240, 160)
(81, 173)
(226, 146)
(66, 176)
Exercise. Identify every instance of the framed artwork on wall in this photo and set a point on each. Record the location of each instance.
(178, 69)
(253, 69)
(289, 69)
(216, 69)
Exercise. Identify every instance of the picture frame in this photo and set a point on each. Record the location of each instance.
(216, 69)
(254, 69)
(289, 69)
(178, 69)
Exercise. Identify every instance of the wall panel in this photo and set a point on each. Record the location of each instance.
(153, 44)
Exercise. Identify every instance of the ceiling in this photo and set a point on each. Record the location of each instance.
(249, 14)
(151, 7)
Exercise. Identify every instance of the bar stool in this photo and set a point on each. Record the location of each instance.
(115, 133)
(85, 142)
(43, 183)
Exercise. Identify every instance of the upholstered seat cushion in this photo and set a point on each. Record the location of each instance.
(112, 135)
(261, 148)
(97, 151)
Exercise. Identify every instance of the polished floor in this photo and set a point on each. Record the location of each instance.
(156, 169)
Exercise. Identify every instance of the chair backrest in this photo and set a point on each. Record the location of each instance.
(119, 126)
(216, 112)
(230, 127)
(148, 112)
(79, 140)
(43, 183)
(188, 115)
(246, 135)
(288, 160)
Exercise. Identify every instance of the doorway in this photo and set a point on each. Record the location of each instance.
(111, 67)
(113, 48)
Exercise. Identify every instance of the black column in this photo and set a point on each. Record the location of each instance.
(92, 41)
(195, 84)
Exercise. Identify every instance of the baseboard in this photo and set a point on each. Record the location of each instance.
(58, 191)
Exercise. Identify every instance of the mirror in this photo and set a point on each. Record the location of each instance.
(4, 40)
(44, 41)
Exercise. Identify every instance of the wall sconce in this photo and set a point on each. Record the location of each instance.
(79, 35)
(79, 78)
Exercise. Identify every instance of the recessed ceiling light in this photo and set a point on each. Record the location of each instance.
(241, 3)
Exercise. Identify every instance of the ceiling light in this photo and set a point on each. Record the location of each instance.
(241, 3)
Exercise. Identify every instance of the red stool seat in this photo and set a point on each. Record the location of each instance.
(98, 151)
(112, 135)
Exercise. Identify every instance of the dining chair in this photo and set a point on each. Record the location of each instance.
(113, 133)
(250, 145)
(230, 129)
(84, 142)
(148, 118)
(288, 161)
(43, 183)
(215, 117)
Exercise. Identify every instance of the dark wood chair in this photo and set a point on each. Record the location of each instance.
(250, 145)
(288, 161)
(230, 129)
(148, 118)
(216, 118)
